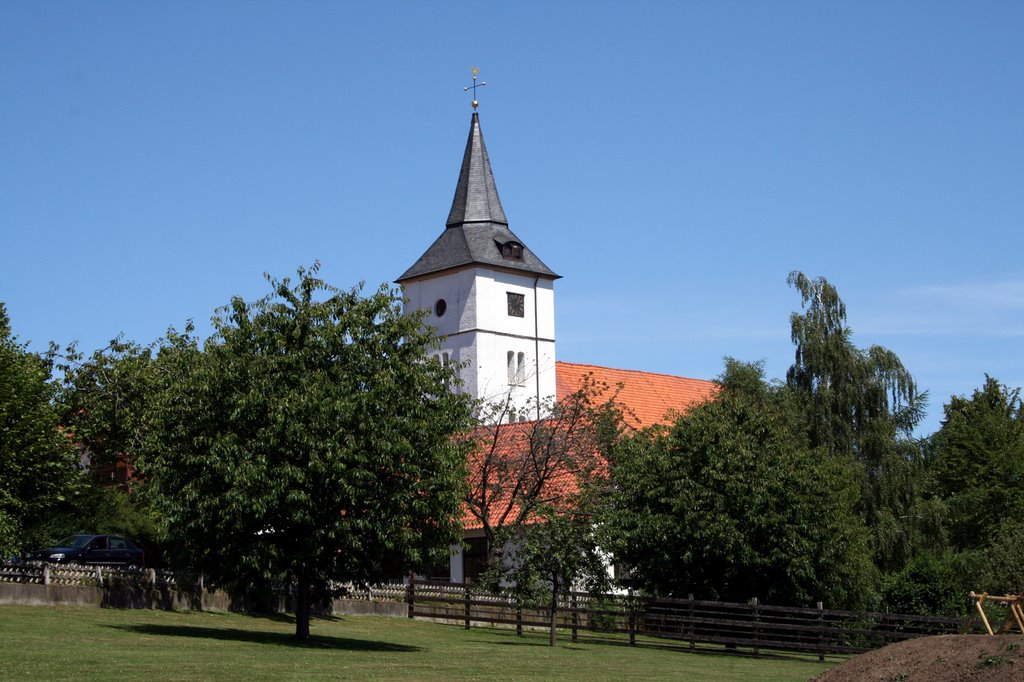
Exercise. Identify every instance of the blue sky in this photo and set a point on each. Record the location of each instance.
(673, 161)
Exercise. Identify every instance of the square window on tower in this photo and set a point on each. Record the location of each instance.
(516, 305)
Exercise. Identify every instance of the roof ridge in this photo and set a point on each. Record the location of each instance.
(633, 371)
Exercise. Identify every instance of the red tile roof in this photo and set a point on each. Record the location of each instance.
(504, 451)
(647, 398)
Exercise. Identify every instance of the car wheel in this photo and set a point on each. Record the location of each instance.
(132, 567)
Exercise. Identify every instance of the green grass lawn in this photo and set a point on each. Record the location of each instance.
(38, 642)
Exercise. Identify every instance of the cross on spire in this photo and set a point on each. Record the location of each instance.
(474, 86)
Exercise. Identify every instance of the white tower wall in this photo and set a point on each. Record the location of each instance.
(505, 357)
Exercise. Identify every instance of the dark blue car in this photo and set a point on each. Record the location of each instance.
(92, 550)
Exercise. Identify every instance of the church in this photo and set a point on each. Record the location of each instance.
(492, 301)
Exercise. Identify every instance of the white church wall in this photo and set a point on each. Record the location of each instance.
(529, 339)
(456, 564)
(529, 385)
(463, 351)
(478, 334)
(458, 291)
(546, 304)
(493, 287)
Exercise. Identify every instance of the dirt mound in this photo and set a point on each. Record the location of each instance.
(943, 658)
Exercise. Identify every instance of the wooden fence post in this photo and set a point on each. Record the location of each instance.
(519, 620)
(693, 640)
(757, 629)
(882, 628)
(410, 595)
(821, 632)
(466, 598)
(632, 619)
(575, 616)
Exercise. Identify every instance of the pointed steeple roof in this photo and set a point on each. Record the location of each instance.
(476, 196)
(476, 232)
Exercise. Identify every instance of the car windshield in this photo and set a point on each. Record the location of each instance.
(75, 541)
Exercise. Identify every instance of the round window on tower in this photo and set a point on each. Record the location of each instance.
(440, 307)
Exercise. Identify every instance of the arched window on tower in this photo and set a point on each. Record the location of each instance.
(445, 361)
(516, 368)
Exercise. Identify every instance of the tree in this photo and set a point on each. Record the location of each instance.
(864, 403)
(978, 463)
(517, 469)
(731, 502)
(857, 400)
(38, 465)
(310, 438)
(103, 401)
(935, 584)
(1004, 561)
(557, 553)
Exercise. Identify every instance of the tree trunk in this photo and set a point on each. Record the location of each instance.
(302, 607)
(554, 609)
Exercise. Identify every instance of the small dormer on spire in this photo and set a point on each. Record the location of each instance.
(476, 196)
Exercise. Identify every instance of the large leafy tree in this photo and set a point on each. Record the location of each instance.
(732, 502)
(978, 463)
(39, 468)
(311, 438)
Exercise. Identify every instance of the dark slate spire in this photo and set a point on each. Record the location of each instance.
(477, 230)
(476, 196)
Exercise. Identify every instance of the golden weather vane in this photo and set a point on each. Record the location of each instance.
(474, 86)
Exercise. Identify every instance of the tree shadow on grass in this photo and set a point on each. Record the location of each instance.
(261, 637)
(278, 617)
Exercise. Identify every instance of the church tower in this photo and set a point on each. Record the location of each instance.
(489, 297)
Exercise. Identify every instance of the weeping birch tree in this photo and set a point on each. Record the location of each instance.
(864, 404)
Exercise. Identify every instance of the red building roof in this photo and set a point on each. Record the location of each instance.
(647, 398)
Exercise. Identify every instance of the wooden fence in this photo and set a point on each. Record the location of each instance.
(684, 623)
(640, 620)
